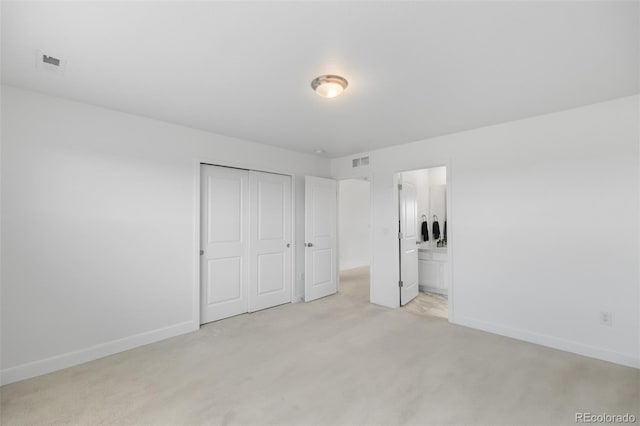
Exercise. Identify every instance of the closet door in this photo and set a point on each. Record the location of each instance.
(270, 247)
(225, 242)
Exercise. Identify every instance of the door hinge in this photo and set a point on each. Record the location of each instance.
(399, 187)
(201, 252)
(399, 235)
(400, 284)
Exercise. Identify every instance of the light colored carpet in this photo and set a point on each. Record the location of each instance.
(354, 284)
(334, 361)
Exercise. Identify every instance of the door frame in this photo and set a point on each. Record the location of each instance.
(197, 164)
(366, 178)
(450, 248)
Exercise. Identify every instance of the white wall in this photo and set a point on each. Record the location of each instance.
(437, 175)
(437, 198)
(431, 195)
(353, 223)
(544, 226)
(98, 227)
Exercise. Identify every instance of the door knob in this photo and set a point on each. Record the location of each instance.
(309, 245)
(288, 245)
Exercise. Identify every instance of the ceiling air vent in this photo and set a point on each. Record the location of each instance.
(49, 63)
(362, 161)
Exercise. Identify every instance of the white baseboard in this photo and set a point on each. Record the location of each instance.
(427, 289)
(550, 341)
(349, 266)
(69, 359)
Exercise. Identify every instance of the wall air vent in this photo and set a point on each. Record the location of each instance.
(362, 161)
(50, 63)
(51, 60)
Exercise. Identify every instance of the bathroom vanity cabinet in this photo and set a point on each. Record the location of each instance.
(433, 270)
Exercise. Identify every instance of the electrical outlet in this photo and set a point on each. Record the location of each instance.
(606, 319)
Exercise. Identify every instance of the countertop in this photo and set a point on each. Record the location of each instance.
(426, 248)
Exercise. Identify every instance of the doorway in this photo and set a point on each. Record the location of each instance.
(423, 241)
(354, 229)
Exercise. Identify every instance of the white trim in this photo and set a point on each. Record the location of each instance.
(450, 247)
(395, 229)
(550, 341)
(338, 265)
(294, 297)
(371, 239)
(449, 186)
(427, 289)
(365, 173)
(197, 247)
(70, 359)
(367, 179)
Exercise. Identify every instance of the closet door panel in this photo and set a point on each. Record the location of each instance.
(224, 241)
(270, 274)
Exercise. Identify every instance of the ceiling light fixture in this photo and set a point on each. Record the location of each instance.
(329, 86)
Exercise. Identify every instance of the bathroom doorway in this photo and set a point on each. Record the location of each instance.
(354, 229)
(423, 241)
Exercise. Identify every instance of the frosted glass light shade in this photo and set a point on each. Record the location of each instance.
(329, 86)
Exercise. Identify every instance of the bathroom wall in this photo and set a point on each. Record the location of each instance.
(437, 178)
(431, 192)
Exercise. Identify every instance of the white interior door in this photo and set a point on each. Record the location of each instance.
(270, 247)
(409, 240)
(224, 241)
(320, 238)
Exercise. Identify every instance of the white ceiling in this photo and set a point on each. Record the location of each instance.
(415, 69)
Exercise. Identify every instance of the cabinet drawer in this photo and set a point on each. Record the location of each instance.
(440, 257)
(425, 255)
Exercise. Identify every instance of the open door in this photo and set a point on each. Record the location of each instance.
(320, 238)
(409, 240)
